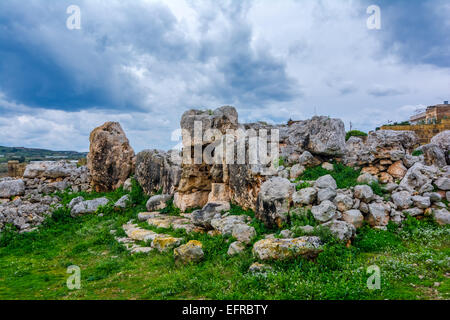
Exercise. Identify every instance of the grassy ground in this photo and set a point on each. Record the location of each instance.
(33, 266)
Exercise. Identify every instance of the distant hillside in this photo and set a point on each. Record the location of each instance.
(31, 154)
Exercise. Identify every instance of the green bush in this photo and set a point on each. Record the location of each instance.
(355, 133)
(303, 185)
(417, 153)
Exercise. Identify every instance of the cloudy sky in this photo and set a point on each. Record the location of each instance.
(144, 62)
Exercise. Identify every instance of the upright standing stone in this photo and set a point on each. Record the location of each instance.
(111, 158)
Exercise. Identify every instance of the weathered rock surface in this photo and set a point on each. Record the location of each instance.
(192, 252)
(326, 136)
(364, 193)
(418, 176)
(326, 182)
(378, 214)
(343, 202)
(326, 194)
(442, 217)
(443, 141)
(367, 178)
(434, 155)
(282, 249)
(155, 171)
(111, 158)
(305, 196)
(274, 201)
(443, 183)
(325, 212)
(203, 217)
(243, 233)
(342, 230)
(11, 188)
(402, 199)
(158, 202)
(26, 215)
(236, 248)
(397, 170)
(296, 171)
(122, 202)
(382, 144)
(355, 217)
(88, 206)
(225, 225)
(49, 169)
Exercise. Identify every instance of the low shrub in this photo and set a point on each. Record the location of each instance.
(417, 153)
(355, 133)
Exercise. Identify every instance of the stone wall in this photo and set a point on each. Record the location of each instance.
(16, 169)
(425, 132)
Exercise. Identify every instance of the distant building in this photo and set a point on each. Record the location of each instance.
(432, 115)
(2, 155)
(426, 124)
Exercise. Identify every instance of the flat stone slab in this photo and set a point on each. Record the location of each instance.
(160, 242)
(157, 220)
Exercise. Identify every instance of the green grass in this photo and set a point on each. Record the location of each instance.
(345, 177)
(34, 265)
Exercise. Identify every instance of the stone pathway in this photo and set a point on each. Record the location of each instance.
(183, 222)
(157, 241)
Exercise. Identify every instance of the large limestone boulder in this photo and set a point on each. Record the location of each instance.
(443, 183)
(198, 175)
(342, 230)
(49, 169)
(11, 188)
(185, 201)
(378, 214)
(418, 176)
(226, 224)
(397, 170)
(191, 252)
(155, 171)
(434, 155)
(442, 217)
(325, 211)
(245, 184)
(283, 249)
(223, 118)
(402, 199)
(321, 136)
(326, 136)
(82, 207)
(326, 182)
(443, 141)
(243, 233)
(158, 202)
(355, 217)
(305, 196)
(111, 158)
(202, 218)
(274, 201)
(382, 144)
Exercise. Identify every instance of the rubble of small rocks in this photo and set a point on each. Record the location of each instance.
(26, 202)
